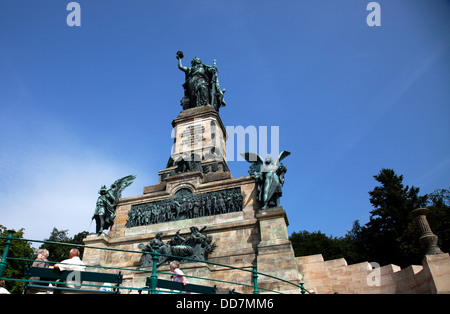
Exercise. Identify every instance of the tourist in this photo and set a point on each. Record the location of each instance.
(73, 263)
(2, 288)
(179, 275)
(40, 261)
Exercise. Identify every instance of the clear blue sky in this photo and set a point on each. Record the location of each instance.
(83, 106)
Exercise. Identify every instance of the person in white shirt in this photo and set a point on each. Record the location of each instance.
(2, 288)
(73, 263)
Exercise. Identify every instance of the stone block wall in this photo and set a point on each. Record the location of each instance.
(335, 276)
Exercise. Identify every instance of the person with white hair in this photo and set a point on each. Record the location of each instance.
(72, 263)
(75, 264)
(40, 261)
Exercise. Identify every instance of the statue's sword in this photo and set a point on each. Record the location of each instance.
(213, 83)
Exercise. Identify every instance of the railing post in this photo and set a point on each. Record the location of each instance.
(302, 288)
(5, 252)
(154, 276)
(255, 280)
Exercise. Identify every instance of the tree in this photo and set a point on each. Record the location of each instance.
(439, 217)
(309, 243)
(15, 268)
(78, 239)
(354, 254)
(391, 236)
(59, 252)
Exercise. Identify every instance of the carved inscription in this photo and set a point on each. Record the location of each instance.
(193, 135)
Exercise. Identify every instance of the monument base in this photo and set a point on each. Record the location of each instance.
(243, 239)
(275, 253)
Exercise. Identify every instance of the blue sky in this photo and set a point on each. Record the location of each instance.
(83, 106)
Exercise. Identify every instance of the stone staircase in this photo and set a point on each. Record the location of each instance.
(335, 276)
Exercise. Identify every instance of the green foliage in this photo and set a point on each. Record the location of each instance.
(59, 252)
(310, 243)
(15, 268)
(439, 217)
(391, 235)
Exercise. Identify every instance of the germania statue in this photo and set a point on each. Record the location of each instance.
(105, 210)
(201, 87)
(269, 176)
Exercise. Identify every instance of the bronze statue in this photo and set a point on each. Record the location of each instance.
(105, 210)
(197, 246)
(201, 86)
(269, 177)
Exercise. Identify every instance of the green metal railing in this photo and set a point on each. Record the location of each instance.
(153, 272)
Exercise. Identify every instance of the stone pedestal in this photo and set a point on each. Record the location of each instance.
(96, 257)
(198, 130)
(199, 141)
(275, 252)
(428, 238)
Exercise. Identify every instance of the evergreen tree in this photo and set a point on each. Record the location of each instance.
(391, 235)
(439, 217)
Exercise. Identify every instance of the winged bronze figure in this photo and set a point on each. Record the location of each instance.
(269, 176)
(105, 210)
